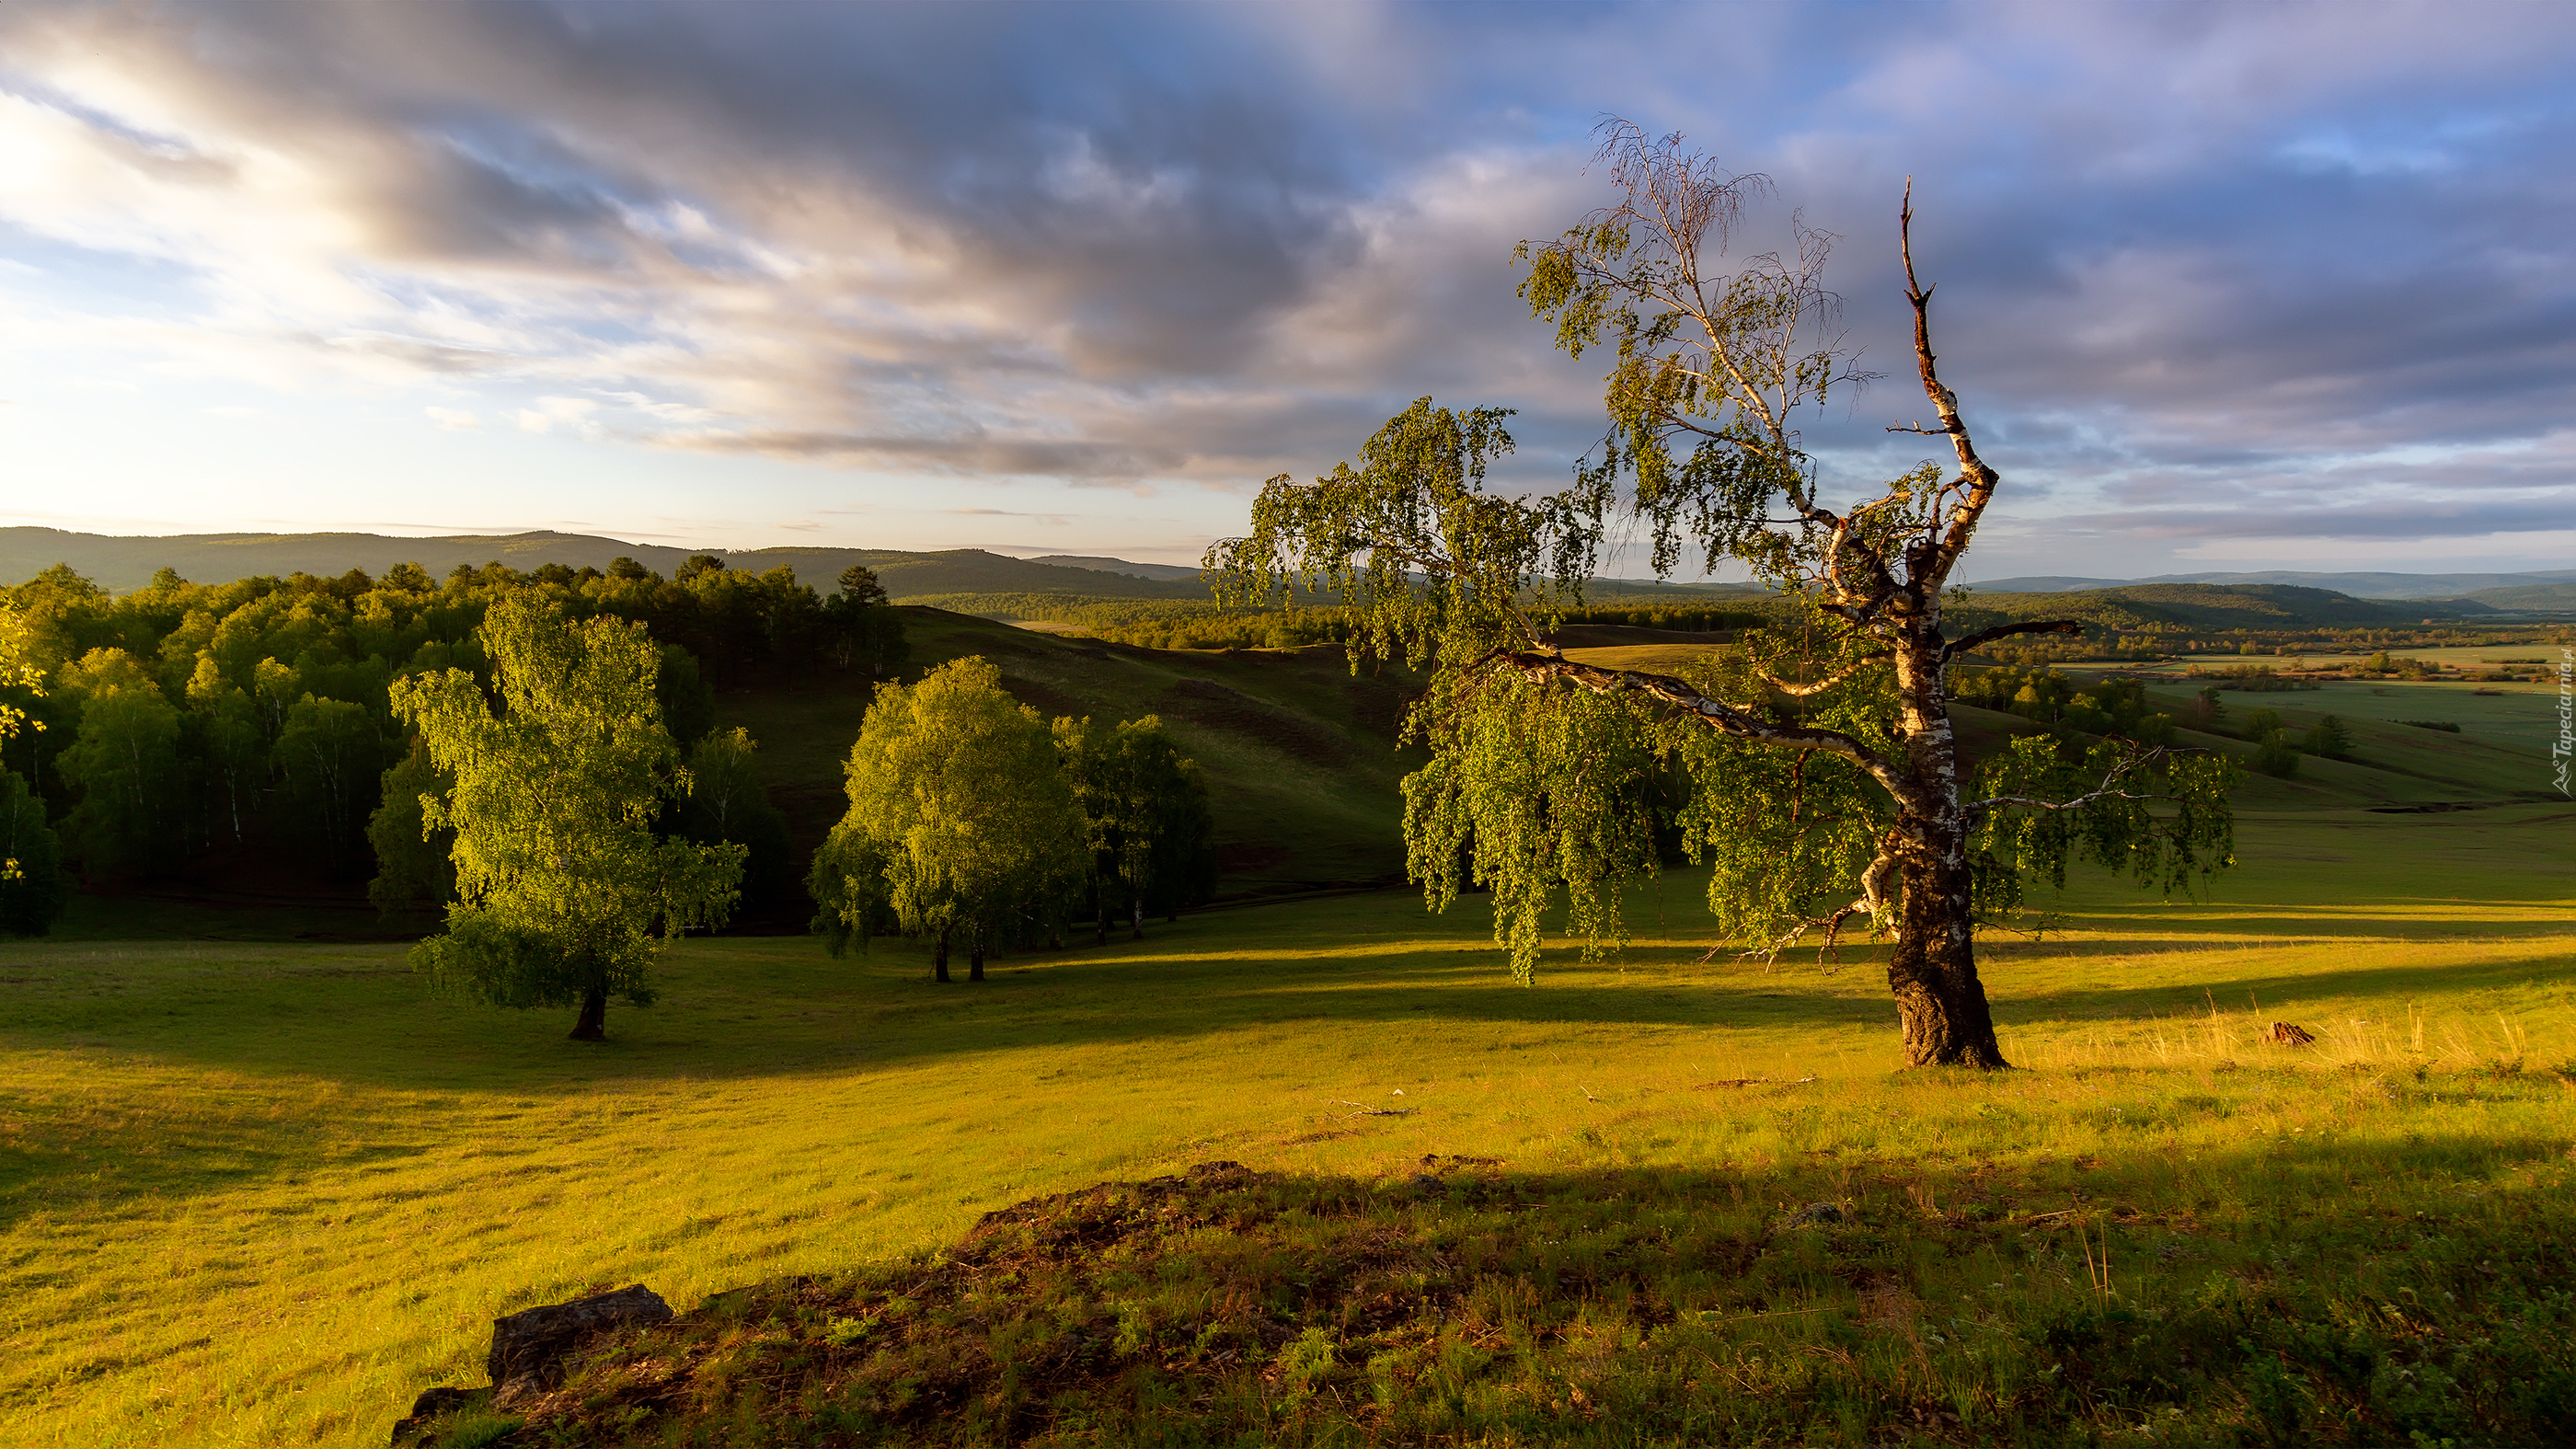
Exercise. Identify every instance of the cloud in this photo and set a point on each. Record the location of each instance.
(2232, 261)
(573, 412)
(453, 420)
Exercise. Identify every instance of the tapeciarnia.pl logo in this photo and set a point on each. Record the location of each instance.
(2564, 750)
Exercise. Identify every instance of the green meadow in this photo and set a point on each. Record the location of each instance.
(263, 1194)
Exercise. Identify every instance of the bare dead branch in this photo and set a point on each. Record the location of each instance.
(1968, 642)
(2109, 789)
(1942, 553)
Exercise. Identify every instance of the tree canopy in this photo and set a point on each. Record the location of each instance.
(961, 819)
(1145, 806)
(562, 885)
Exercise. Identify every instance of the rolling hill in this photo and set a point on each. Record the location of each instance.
(2545, 589)
(2212, 606)
(1299, 754)
(122, 564)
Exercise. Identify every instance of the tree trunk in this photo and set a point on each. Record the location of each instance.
(593, 1025)
(1100, 896)
(1136, 915)
(939, 957)
(975, 955)
(1933, 969)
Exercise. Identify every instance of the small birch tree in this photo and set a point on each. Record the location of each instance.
(564, 893)
(961, 820)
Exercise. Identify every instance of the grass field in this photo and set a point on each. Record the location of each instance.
(263, 1194)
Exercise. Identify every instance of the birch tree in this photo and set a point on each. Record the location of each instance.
(1827, 784)
(564, 894)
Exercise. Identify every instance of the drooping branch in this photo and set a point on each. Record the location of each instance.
(1717, 714)
(1968, 642)
(2109, 789)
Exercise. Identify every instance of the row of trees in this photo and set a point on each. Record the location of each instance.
(185, 720)
(974, 820)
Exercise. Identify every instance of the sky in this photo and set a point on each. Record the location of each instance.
(2220, 286)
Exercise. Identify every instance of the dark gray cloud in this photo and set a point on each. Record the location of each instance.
(2225, 267)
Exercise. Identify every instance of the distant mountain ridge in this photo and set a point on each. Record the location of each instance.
(2274, 598)
(127, 563)
(2358, 585)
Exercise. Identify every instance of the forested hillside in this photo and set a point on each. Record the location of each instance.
(236, 735)
(226, 744)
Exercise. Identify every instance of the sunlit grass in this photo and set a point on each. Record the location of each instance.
(255, 1194)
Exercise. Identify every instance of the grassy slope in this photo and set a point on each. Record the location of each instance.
(1299, 754)
(263, 1194)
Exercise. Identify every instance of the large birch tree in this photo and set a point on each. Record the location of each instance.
(1826, 783)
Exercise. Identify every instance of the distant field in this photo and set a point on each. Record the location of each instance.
(263, 1194)
(2520, 716)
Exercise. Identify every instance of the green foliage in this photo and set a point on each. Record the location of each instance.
(1782, 831)
(1436, 569)
(960, 815)
(1145, 809)
(33, 885)
(2206, 712)
(561, 883)
(688, 704)
(2251, 678)
(329, 757)
(17, 673)
(866, 632)
(1159, 623)
(728, 803)
(414, 871)
(125, 765)
(223, 731)
(2445, 726)
(1312, 619)
(2328, 739)
(2117, 827)
(2275, 753)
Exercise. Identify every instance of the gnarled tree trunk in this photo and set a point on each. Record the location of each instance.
(1933, 969)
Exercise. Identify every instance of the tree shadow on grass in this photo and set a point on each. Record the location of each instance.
(2272, 992)
(791, 1011)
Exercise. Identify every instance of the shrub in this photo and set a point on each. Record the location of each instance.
(2276, 756)
(2328, 738)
